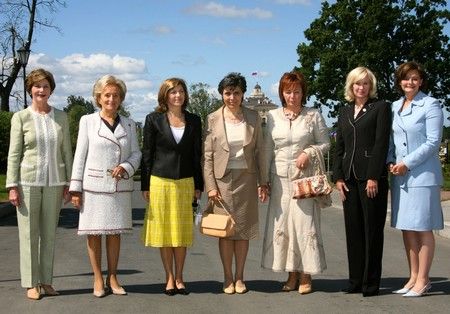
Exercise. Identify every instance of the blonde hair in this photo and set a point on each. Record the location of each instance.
(105, 80)
(356, 75)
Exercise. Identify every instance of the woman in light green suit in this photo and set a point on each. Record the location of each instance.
(38, 175)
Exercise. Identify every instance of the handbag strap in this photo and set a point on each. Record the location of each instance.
(320, 169)
(211, 204)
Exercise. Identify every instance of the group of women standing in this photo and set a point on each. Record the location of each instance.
(240, 164)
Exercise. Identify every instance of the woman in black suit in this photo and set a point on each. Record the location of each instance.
(171, 177)
(360, 174)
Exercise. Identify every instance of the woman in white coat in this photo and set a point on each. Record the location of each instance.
(106, 157)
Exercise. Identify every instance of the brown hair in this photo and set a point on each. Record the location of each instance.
(39, 75)
(403, 70)
(164, 90)
(290, 79)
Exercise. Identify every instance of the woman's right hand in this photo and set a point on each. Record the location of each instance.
(14, 196)
(214, 194)
(76, 200)
(342, 188)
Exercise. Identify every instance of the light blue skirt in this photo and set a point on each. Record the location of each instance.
(417, 208)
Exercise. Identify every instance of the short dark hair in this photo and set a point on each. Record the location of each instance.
(290, 79)
(403, 70)
(233, 79)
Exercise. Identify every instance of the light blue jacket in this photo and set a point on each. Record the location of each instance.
(415, 139)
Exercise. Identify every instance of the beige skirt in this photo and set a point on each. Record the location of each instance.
(239, 192)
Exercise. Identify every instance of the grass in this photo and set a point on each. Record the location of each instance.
(3, 192)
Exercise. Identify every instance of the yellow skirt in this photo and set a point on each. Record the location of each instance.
(168, 219)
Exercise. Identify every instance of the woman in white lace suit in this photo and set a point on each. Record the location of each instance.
(292, 237)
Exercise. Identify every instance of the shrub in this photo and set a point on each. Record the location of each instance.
(5, 128)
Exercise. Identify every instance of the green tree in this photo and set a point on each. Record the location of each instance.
(201, 101)
(379, 35)
(19, 19)
(5, 127)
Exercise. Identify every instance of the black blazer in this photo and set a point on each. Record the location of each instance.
(163, 157)
(362, 143)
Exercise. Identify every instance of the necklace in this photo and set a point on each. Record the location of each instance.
(291, 115)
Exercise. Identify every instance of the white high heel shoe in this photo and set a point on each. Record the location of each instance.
(423, 291)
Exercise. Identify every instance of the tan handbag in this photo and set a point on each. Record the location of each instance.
(216, 225)
(314, 186)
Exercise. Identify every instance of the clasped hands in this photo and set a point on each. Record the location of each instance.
(399, 169)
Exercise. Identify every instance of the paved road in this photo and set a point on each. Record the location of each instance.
(142, 275)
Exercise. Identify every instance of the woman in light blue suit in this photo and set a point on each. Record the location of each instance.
(416, 174)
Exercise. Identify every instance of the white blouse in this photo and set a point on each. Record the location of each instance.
(177, 133)
(235, 137)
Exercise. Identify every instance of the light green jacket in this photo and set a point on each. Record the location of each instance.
(24, 160)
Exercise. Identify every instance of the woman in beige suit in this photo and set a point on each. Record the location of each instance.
(234, 174)
(39, 167)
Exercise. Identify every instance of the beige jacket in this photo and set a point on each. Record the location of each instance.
(216, 149)
(285, 142)
(24, 159)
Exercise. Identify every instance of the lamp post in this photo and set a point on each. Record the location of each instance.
(24, 54)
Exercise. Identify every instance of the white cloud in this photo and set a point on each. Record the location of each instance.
(219, 10)
(304, 2)
(163, 29)
(274, 89)
(76, 74)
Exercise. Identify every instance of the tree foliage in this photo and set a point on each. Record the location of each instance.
(5, 128)
(17, 25)
(379, 35)
(201, 101)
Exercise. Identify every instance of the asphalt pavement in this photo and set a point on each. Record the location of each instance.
(142, 275)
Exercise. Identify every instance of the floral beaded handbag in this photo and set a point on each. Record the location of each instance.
(316, 186)
(217, 225)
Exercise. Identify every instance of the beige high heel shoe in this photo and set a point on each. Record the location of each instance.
(34, 293)
(49, 290)
(305, 283)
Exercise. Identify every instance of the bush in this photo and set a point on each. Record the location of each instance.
(5, 128)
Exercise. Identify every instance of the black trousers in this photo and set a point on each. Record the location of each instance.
(364, 228)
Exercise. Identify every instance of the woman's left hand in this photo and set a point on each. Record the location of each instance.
(302, 161)
(371, 188)
(198, 194)
(399, 169)
(118, 173)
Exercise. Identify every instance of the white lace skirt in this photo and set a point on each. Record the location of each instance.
(292, 237)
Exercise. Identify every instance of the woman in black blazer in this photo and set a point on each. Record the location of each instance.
(171, 177)
(360, 174)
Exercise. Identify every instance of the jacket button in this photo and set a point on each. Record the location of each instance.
(404, 144)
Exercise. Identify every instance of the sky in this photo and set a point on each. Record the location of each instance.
(144, 42)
